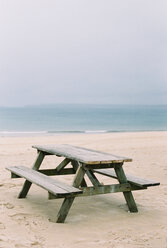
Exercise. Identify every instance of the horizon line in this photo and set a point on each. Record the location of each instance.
(55, 104)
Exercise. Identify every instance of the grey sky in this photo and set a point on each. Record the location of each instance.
(83, 51)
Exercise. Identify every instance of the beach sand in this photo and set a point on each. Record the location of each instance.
(94, 222)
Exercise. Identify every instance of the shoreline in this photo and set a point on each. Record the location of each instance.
(66, 133)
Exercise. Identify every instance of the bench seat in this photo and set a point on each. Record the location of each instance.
(52, 185)
(141, 182)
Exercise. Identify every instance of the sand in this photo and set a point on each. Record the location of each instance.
(95, 222)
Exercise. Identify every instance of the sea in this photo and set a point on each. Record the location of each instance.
(81, 118)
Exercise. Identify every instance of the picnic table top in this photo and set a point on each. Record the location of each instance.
(81, 154)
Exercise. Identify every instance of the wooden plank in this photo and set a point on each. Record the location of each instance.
(83, 155)
(54, 172)
(131, 179)
(51, 172)
(99, 166)
(106, 189)
(54, 186)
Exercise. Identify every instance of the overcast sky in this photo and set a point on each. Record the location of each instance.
(83, 51)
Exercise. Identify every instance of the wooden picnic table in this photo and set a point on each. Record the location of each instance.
(83, 162)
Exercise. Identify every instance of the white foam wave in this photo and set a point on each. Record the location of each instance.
(96, 131)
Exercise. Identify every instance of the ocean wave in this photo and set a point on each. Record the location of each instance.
(51, 132)
(79, 131)
(65, 131)
(61, 132)
(96, 131)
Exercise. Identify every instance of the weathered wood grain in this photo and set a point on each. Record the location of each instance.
(51, 185)
(54, 172)
(89, 191)
(131, 179)
(82, 155)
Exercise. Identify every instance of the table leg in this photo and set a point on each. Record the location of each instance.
(128, 195)
(67, 203)
(93, 178)
(79, 176)
(28, 184)
(75, 166)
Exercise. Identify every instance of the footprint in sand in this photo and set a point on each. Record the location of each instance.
(3, 241)
(21, 246)
(9, 185)
(36, 244)
(8, 205)
(20, 218)
(2, 226)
